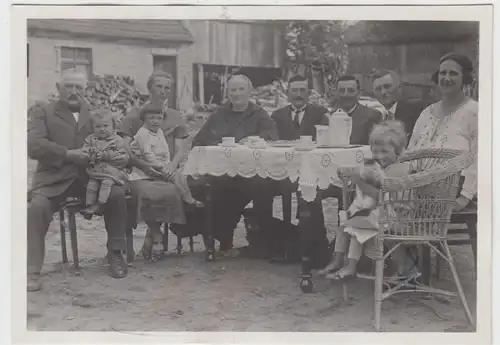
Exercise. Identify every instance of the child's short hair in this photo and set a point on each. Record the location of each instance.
(104, 114)
(150, 109)
(390, 132)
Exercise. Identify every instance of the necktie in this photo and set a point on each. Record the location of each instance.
(296, 121)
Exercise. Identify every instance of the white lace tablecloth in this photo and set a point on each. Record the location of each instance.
(313, 169)
(277, 163)
(319, 167)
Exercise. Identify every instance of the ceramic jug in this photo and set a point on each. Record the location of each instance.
(340, 128)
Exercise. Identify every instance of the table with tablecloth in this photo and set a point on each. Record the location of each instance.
(312, 169)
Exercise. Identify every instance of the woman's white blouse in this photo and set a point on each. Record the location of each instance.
(458, 130)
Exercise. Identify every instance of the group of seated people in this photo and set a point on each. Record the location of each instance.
(84, 153)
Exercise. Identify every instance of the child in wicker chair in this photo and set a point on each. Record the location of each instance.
(387, 141)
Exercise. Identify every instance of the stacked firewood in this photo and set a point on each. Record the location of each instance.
(117, 93)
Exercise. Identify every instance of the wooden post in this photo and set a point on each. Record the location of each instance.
(201, 84)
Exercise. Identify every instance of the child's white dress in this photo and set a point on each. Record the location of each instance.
(365, 228)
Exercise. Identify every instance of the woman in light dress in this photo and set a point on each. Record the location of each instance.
(452, 122)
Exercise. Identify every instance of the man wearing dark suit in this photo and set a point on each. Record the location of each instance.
(363, 118)
(300, 117)
(387, 89)
(56, 134)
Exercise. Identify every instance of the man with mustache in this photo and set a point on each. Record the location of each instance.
(363, 118)
(387, 90)
(300, 117)
(239, 118)
(56, 134)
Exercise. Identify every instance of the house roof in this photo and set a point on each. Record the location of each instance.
(404, 32)
(147, 30)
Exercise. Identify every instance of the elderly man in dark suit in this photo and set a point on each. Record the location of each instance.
(300, 117)
(56, 134)
(387, 89)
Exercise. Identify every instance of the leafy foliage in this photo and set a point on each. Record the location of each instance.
(319, 47)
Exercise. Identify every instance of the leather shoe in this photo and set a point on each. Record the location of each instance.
(117, 266)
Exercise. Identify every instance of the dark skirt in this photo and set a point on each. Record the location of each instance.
(157, 201)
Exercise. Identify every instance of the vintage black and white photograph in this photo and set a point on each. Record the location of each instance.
(254, 175)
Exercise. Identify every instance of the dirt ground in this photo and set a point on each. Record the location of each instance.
(185, 293)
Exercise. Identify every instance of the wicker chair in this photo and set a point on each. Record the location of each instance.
(414, 210)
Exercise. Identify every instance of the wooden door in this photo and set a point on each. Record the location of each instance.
(168, 64)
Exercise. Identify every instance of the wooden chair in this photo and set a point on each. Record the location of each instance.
(415, 210)
(70, 207)
(67, 211)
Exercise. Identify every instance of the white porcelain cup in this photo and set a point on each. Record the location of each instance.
(306, 139)
(228, 141)
(260, 143)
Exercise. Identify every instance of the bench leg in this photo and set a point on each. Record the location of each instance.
(425, 254)
(129, 234)
(73, 237)
(210, 241)
(179, 244)
(165, 236)
(472, 229)
(191, 244)
(62, 228)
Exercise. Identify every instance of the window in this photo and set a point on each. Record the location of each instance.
(77, 58)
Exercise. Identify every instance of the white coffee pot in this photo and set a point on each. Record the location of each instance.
(338, 131)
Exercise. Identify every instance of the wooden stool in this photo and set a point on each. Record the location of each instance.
(70, 206)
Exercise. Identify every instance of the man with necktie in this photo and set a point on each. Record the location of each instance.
(299, 117)
(387, 89)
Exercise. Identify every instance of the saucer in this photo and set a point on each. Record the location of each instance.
(304, 148)
(227, 145)
(258, 147)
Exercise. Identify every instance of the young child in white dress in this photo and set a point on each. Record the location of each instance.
(387, 141)
(150, 145)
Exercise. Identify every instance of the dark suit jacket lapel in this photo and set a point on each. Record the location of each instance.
(84, 116)
(64, 113)
(398, 114)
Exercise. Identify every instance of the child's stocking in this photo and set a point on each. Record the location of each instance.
(105, 191)
(92, 189)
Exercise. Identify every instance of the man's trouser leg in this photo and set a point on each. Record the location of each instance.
(115, 220)
(229, 200)
(40, 213)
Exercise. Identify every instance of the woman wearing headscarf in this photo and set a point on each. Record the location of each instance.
(157, 201)
(453, 121)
